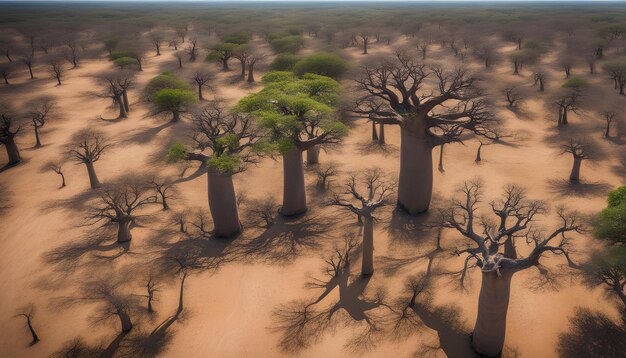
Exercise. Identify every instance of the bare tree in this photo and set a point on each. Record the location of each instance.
(513, 96)
(9, 129)
(87, 148)
(111, 301)
(118, 203)
(56, 167)
(6, 70)
(579, 151)
(182, 32)
(151, 286)
(325, 174)
(73, 53)
(609, 118)
(377, 194)
(266, 209)
(202, 79)
(567, 101)
(162, 188)
(28, 312)
(41, 110)
(192, 50)
(29, 60)
(77, 348)
(394, 92)
(57, 70)
(495, 252)
(156, 38)
(180, 219)
(540, 79)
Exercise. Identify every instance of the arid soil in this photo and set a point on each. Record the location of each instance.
(231, 311)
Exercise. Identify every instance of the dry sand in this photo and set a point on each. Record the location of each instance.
(228, 313)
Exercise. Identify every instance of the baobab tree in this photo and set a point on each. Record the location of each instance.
(156, 38)
(223, 143)
(73, 53)
(6, 70)
(222, 53)
(118, 203)
(513, 96)
(9, 129)
(580, 151)
(117, 84)
(192, 50)
(376, 194)
(495, 251)
(202, 79)
(616, 69)
(251, 61)
(568, 99)
(28, 312)
(365, 39)
(487, 53)
(86, 148)
(40, 111)
(609, 118)
(298, 115)
(57, 70)
(396, 94)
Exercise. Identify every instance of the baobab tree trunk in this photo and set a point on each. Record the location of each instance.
(441, 157)
(365, 41)
(37, 140)
(243, 70)
(12, 151)
(564, 118)
(93, 178)
(607, 130)
(381, 133)
(313, 155)
(575, 174)
(175, 116)
(127, 325)
(374, 132)
(516, 68)
(122, 106)
(294, 193)
(560, 120)
(180, 62)
(123, 230)
(541, 87)
(225, 65)
(250, 73)
(493, 303)
(367, 267)
(126, 102)
(223, 203)
(200, 97)
(415, 184)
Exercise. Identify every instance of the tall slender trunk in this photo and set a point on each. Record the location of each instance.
(374, 132)
(62, 180)
(493, 303)
(560, 120)
(250, 73)
(180, 62)
(123, 230)
(607, 130)
(516, 68)
(37, 140)
(93, 178)
(225, 65)
(367, 267)
(181, 294)
(58, 80)
(575, 174)
(365, 47)
(223, 203)
(6, 78)
(294, 193)
(126, 102)
(158, 49)
(13, 151)
(541, 87)
(478, 158)
(175, 116)
(30, 70)
(381, 133)
(415, 184)
(441, 157)
(127, 325)
(243, 70)
(200, 96)
(313, 155)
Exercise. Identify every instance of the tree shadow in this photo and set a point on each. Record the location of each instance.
(198, 173)
(406, 230)
(147, 135)
(592, 334)
(112, 348)
(564, 188)
(372, 147)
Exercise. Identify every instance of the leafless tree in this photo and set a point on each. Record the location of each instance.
(118, 204)
(377, 192)
(540, 79)
(609, 118)
(111, 301)
(513, 96)
(163, 188)
(29, 60)
(156, 38)
(151, 286)
(580, 151)
(87, 148)
(265, 209)
(28, 312)
(9, 129)
(6, 70)
(495, 252)
(567, 101)
(73, 53)
(339, 260)
(56, 167)
(180, 219)
(192, 50)
(325, 174)
(394, 92)
(40, 111)
(182, 32)
(57, 70)
(202, 79)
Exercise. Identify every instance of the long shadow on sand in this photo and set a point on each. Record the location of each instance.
(564, 188)
(593, 334)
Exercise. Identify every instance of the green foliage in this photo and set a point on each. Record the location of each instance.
(239, 38)
(225, 163)
(228, 141)
(221, 52)
(617, 66)
(278, 76)
(284, 43)
(123, 62)
(176, 152)
(165, 80)
(284, 62)
(617, 197)
(119, 54)
(574, 82)
(325, 64)
(174, 99)
(610, 224)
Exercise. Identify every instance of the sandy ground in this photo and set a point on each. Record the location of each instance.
(228, 312)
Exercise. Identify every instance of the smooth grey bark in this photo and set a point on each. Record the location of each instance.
(313, 155)
(367, 267)
(415, 184)
(123, 230)
(575, 173)
(126, 102)
(93, 178)
(13, 151)
(250, 73)
(200, 96)
(493, 303)
(294, 193)
(122, 106)
(223, 203)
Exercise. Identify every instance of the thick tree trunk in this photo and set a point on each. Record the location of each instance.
(12, 151)
(225, 65)
(126, 102)
(223, 203)
(381, 133)
(607, 130)
(313, 155)
(37, 140)
(541, 87)
(367, 267)
(123, 230)
(564, 118)
(493, 303)
(415, 184)
(127, 325)
(560, 120)
(180, 62)
(365, 47)
(374, 132)
(175, 116)
(250, 73)
(200, 97)
(575, 174)
(120, 102)
(294, 193)
(93, 178)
